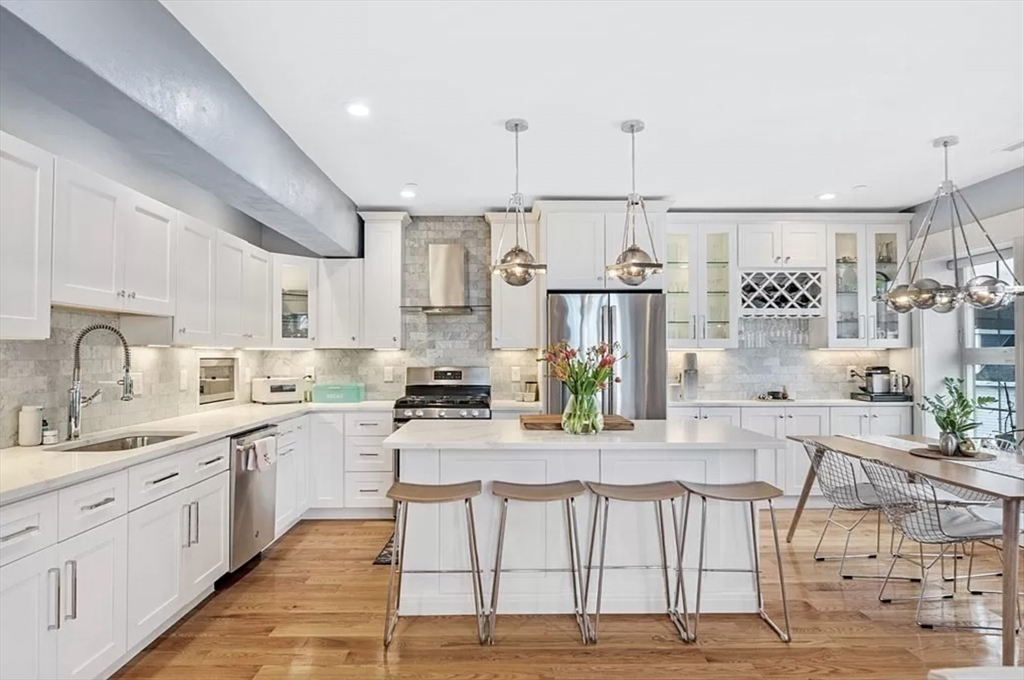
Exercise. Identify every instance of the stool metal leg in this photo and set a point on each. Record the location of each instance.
(682, 621)
(575, 567)
(497, 567)
(478, 591)
(785, 636)
(598, 502)
(700, 564)
(397, 559)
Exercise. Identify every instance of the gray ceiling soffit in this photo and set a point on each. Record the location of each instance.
(131, 70)
(996, 195)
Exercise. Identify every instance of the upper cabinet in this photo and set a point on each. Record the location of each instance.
(786, 245)
(295, 304)
(256, 305)
(340, 303)
(113, 248)
(228, 305)
(862, 261)
(515, 310)
(195, 311)
(26, 229)
(702, 283)
(382, 279)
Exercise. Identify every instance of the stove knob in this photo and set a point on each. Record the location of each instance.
(407, 413)
(419, 413)
(463, 413)
(475, 413)
(441, 413)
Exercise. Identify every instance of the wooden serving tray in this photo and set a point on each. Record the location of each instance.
(553, 422)
(932, 453)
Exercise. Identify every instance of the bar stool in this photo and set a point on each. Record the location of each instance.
(566, 492)
(655, 493)
(749, 492)
(404, 493)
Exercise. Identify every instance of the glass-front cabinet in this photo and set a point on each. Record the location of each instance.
(862, 262)
(295, 301)
(701, 285)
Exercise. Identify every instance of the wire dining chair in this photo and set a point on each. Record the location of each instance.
(915, 510)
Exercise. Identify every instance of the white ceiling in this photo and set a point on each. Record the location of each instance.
(747, 105)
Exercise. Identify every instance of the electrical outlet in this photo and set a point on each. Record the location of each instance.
(851, 374)
(248, 375)
(389, 374)
(183, 381)
(516, 375)
(311, 372)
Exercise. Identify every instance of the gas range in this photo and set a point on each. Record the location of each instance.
(446, 392)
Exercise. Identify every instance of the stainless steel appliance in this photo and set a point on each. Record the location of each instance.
(253, 500)
(637, 322)
(216, 380)
(277, 390)
(445, 392)
(900, 383)
(446, 283)
(877, 380)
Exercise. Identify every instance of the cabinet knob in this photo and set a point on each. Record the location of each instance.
(353, 338)
(781, 417)
(704, 417)
(874, 415)
(181, 330)
(789, 416)
(787, 259)
(778, 259)
(132, 295)
(394, 339)
(120, 293)
(600, 278)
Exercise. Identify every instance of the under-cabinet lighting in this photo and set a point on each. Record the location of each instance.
(358, 109)
(158, 346)
(826, 196)
(218, 349)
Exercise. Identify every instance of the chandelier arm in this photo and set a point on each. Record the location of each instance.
(650, 233)
(963, 235)
(923, 228)
(526, 233)
(952, 238)
(988, 238)
(625, 230)
(501, 239)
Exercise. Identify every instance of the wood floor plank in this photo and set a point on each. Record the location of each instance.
(314, 609)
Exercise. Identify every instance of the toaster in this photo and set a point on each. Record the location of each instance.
(277, 390)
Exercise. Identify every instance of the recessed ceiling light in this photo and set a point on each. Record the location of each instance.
(826, 197)
(409, 190)
(358, 109)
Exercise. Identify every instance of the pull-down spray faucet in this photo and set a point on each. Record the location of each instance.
(76, 401)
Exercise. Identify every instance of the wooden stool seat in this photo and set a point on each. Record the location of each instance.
(638, 493)
(434, 493)
(538, 493)
(740, 493)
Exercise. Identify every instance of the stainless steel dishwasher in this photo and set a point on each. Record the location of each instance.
(253, 499)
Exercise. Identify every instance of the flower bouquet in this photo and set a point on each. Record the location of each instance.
(584, 374)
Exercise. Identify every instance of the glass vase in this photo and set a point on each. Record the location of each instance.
(582, 415)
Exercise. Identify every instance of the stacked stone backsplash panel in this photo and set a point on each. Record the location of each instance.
(38, 372)
(807, 374)
(429, 340)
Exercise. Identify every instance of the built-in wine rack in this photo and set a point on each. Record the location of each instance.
(782, 294)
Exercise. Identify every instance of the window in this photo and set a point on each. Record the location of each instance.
(988, 356)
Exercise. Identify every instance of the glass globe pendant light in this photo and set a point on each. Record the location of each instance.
(981, 291)
(634, 265)
(517, 267)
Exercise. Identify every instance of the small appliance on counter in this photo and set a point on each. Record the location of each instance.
(216, 380)
(877, 380)
(691, 377)
(277, 390)
(341, 393)
(883, 384)
(775, 395)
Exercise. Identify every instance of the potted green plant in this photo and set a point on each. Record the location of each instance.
(954, 414)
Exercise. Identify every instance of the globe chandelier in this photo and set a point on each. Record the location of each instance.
(634, 265)
(517, 267)
(980, 291)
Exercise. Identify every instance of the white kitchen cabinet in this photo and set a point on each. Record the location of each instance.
(285, 505)
(158, 537)
(301, 463)
(515, 310)
(803, 245)
(229, 284)
(760, 245)
(94, 590)
(296, 302)
(382, 279)
(256, 281)
(196, 298)
(790, 464)
(113, 248)
(850, 420)
(891, 420)
(885, 246)
(30, 616)
(26, 232)
(702, 285)
(723, 414)
(769, 421)
(327, 460)
(340, 295)
(782, 245)
(575, 251)
(206, 558)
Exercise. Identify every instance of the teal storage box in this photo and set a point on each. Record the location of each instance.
(344, 393)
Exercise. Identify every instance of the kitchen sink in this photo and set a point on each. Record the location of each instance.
(126, 442)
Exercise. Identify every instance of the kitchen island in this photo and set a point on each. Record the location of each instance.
(444, 452)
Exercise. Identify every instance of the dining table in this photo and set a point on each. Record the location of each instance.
(955, 471)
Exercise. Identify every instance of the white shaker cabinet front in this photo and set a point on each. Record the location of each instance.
(94, 568)
(803, 245)
(340, 322)
(774, 245)
(575, 251)
(149, 253)
(327, 460)
(26, 231)
(229, 278)
(793, 462)
(295, 304)
(286, 502)
(760, 245)
(206, 558)
(256, 281)
(382, 279)
(196, 298)
(515, 310)
(30, 617)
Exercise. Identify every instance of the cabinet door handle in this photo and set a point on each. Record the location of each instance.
(369, 455)
(55, 571)
(195, 541)
(207, 463)
(98, 504)
(860, 326)
(781, 416)
(188, 525)
(787, 259)
(161, 480)
(873, 327)
(19, 533)
(367, 424)
(120, 293)
(874, 415)
(131, 295)
(181, 330)
(394, 339)
(778, 259)
(72, 608)
(704, 417)
(369, 490)
(353, 338)
(600, 278)
(789, 416)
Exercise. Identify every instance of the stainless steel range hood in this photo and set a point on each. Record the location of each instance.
(447, 280)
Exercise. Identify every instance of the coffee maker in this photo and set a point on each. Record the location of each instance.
(883, 384)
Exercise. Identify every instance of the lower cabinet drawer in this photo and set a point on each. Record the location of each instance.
(207, 461)
(367, 454)
(362, 424)
(91, 504)
(27, 526)
(367, 489)
(158, 478)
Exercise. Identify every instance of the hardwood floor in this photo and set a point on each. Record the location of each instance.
(314, 609)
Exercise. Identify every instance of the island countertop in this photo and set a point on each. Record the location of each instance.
(507, 434)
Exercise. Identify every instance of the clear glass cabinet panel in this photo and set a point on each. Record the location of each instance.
(294, 301)
(678, 278)
(885, 254)
(717, 321)
(849, 287)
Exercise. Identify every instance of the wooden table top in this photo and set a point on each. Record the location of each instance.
(966, 476)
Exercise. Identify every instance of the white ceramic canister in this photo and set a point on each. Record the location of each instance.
(30, 426)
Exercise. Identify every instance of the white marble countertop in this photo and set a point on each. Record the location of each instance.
(779, 403)
(30, 470)
(507, 434)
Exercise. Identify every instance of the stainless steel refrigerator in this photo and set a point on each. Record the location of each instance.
(637, 322)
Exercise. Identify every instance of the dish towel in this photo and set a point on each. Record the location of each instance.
(266, 452)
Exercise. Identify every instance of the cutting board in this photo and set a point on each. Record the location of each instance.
(553, 422)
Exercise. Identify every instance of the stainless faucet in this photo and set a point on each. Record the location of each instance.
(76, 401)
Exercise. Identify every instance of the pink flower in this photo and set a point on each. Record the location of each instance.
(618, 380)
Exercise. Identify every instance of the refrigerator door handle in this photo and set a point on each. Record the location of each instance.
(605, 336)
(611, 340)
